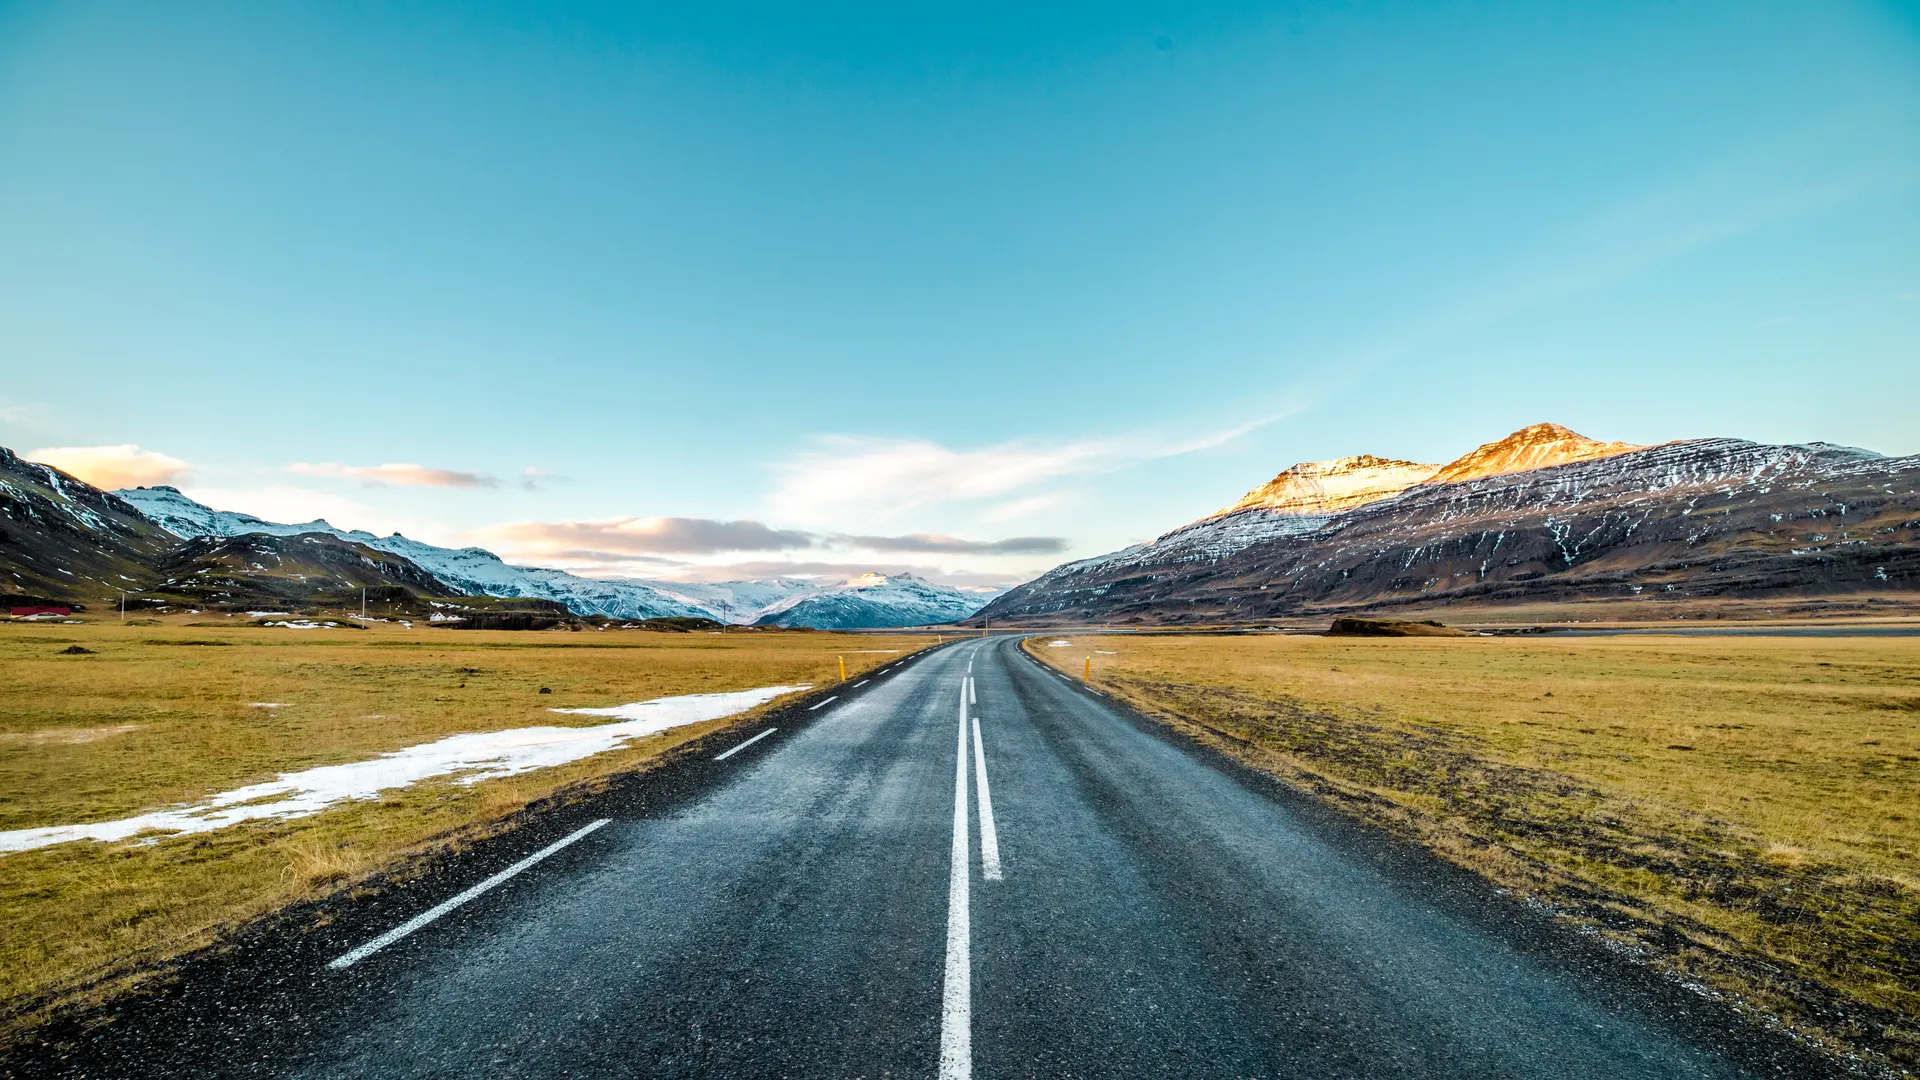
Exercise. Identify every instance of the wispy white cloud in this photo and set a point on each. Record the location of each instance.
(853, 478)
(1791, 179)
(110, 467)
(1025, 507)
(535, 479)
(25, 414)
(395, 475)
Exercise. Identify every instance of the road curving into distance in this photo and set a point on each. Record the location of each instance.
(967, 866)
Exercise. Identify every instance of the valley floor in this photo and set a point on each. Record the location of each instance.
(1740, 811)
(151, 716)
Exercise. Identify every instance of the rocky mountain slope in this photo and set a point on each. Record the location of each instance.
(258, 569)
(1542, 515)
(470, 571)
(66, 541)
(479, 572)
(872, 600)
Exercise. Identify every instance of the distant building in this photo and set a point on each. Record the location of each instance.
(27, 612)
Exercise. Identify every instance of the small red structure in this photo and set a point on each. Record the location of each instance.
(23, 612)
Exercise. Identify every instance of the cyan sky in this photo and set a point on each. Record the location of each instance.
(977, 271)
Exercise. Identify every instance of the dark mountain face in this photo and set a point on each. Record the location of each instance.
(262, 569)
(64, 540)
(1708, 518)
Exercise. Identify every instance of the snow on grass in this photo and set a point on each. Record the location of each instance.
(485, 755)
(1061, 644)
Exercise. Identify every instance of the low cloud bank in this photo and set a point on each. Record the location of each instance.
(110, 467)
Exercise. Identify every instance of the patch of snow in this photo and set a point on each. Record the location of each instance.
(1059, 644)
(475, 757)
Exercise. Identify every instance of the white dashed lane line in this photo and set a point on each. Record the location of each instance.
(347, 960)
(744, 745)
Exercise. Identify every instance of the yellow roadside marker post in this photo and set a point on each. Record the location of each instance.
(843, 668)
(1089, 677)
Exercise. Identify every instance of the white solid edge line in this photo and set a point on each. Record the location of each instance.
(822, 704)
(347, 960)
(744, 745)
(989, 835)
(956, 996)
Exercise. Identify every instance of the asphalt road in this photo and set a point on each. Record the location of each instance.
(826, 903)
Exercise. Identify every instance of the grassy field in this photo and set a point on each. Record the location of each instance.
(1742, 810)
(163, 714)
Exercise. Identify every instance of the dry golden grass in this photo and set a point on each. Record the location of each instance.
(161, 714)
(1744, 808)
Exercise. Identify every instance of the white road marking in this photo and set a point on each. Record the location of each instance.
(823, 704)
(346, 960)
(956, 998)
(861, 683)
(744, 745)
(972, 698)
(989, 836)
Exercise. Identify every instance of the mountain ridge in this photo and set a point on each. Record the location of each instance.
(1700, 517)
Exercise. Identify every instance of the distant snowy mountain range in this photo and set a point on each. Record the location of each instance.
(873, 600)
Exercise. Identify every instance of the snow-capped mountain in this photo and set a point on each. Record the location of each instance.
(1307, 496)
(1536, 446)
(477, 571)
(472, 571)
(874, 600)
(1541, 514)
(739, 602)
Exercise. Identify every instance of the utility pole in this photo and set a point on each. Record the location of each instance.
(363, 603)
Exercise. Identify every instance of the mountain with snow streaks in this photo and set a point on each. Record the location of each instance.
(873, 600)
(469, 571)
(1542, 515)
(62, 539)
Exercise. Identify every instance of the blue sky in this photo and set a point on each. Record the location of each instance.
(969, 289)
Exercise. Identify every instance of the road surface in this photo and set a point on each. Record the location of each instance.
(877, 892)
